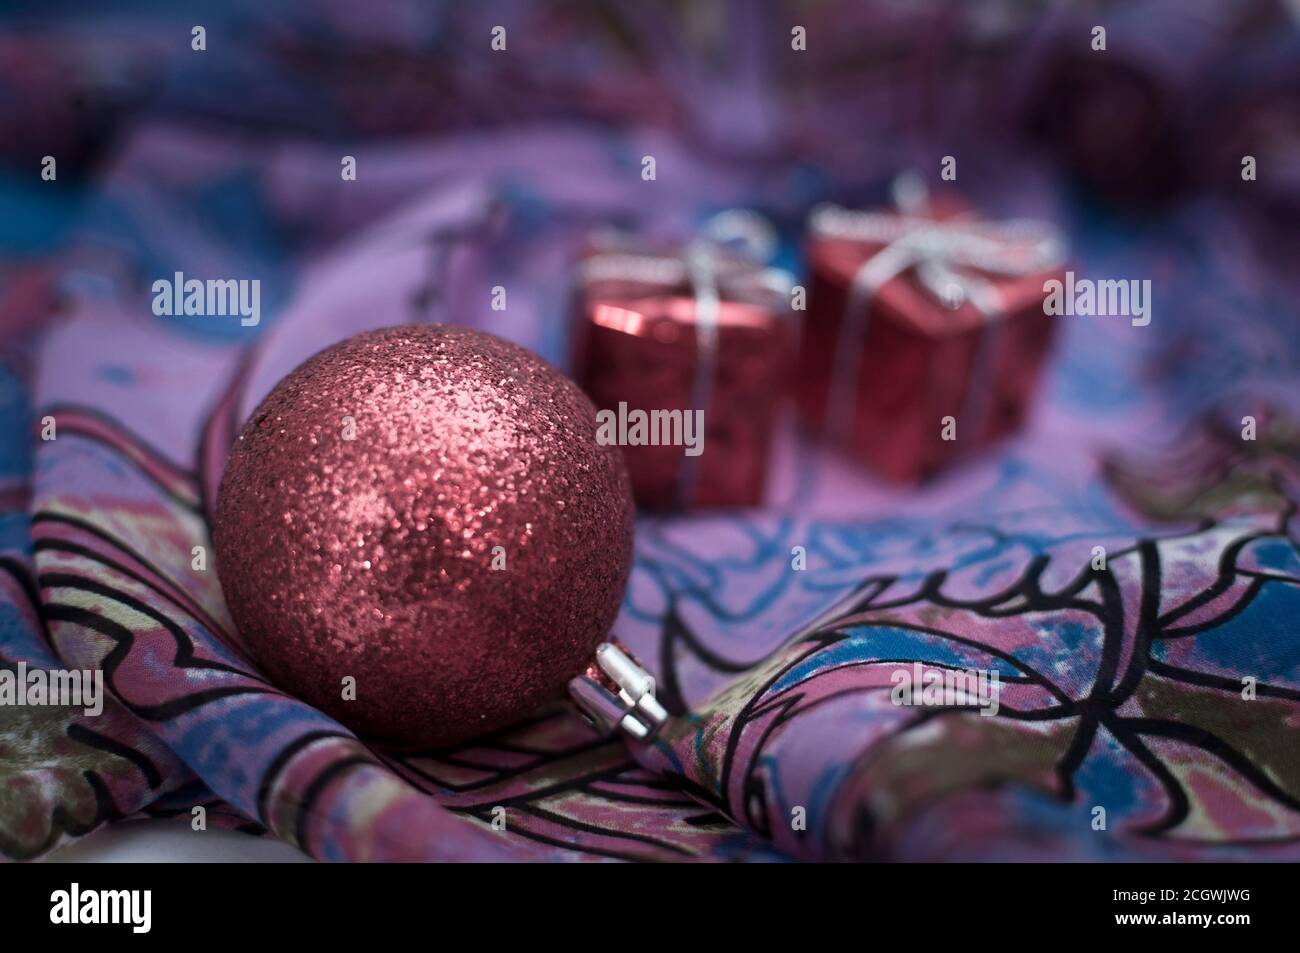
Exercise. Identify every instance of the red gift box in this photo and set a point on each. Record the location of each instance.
(693, 330)
(917, 317)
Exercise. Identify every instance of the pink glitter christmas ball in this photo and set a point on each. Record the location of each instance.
(424, 509)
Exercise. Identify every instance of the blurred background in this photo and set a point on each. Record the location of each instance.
(1149, 133)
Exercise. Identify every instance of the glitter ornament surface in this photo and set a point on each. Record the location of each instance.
(426, 510)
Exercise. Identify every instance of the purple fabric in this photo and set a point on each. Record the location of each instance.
(1122, 687)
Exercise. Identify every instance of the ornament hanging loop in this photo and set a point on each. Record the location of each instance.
(617, 694)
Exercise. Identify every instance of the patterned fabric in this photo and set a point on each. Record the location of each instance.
(1149, 709)
(1122, 689)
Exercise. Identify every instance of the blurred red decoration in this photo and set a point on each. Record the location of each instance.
(639, 343)
(953, 327)
(29, 294)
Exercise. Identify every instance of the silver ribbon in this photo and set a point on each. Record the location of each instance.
(947, 256)
(708, 303)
